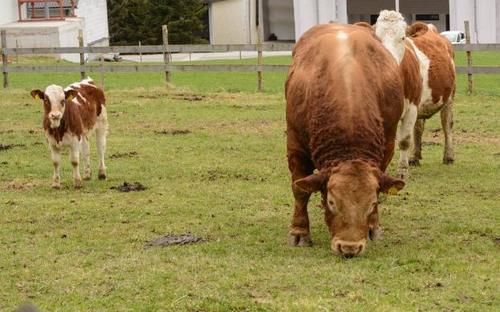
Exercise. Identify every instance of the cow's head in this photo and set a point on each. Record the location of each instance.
(350, 197)
(391, 30)
(54, 100)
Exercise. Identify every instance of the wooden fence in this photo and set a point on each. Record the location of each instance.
(168, 67)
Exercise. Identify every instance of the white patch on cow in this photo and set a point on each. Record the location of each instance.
(55, 95)
(391, 30)
(424, 64)
(342, 35)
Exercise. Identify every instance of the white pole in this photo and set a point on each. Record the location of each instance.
(397, 5)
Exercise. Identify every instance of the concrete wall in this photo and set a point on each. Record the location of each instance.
(308, 13)
(229, 22)
(95, 15)
(8, 11)
(483, 17)
(279, 19)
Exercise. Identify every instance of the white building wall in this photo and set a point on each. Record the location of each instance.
(230, 22)
(8, 11)
(280, 19)
(483, 17)
(95, 16)
(308, 13)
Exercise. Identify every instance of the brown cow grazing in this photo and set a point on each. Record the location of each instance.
(344, 99)
(70, 116)
(429, 87)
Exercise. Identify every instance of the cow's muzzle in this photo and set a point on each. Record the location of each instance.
(348, 249)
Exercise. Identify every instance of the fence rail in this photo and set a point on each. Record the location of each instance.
(168, 67)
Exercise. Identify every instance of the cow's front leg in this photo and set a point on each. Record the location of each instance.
(299, 233)
(55, 153)
(405, 138)
(75, 162)
(447, 124)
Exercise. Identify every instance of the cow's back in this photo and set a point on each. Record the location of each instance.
(441, 66)
(344, 94)
(90, 101)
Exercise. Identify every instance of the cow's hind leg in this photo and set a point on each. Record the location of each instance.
(300, 167)
(74, 156)
(417, 142)
(405, 136)
(101, 133)
(87, 171)
(447, 124)
(56, 161)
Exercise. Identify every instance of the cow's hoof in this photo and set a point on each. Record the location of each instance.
(87, 176)
(414, 162)
(448, 160)
(56, 186)
(299, 240)
(101, 176)
(78, 185)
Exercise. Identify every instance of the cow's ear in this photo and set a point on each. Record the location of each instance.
(70, 94)
(365, 25)
(37, 94)
(313, 183)
(390, 185)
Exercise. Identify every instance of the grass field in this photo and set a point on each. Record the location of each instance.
(211, 153)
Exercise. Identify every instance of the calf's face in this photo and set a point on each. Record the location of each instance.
(350, 196)
(54, 102)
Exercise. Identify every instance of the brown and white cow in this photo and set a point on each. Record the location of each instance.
(70, 116)
(344, 100)
(428, 74)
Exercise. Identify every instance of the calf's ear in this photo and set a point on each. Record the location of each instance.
(311, 183)
(390, 185)
(37, 94)
(70, 94)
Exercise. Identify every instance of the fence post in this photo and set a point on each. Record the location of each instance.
(101, 67)
(166, 54)
(4, 60)
(82, 54)
(140, 52)
(470, 82)
(259, 46)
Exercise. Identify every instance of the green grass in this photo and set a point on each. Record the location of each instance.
(227, 181)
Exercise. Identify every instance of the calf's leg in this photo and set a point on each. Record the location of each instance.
(405, 136)
(87, 171)
(101, 132)
(74, 156)
(447, 124)
(56, 161)
(417, 142)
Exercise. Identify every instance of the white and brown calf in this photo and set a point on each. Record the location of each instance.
(428, 74)
(70, 116)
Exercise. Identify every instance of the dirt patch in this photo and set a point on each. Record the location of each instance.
(218, 174)
(20, 185)
(189, 97)
(173, 132)
(129, 187)
(124, 155)
(4, 147)
(173, 239)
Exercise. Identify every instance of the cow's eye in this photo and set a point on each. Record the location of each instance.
(331, 205)
(62, 103)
